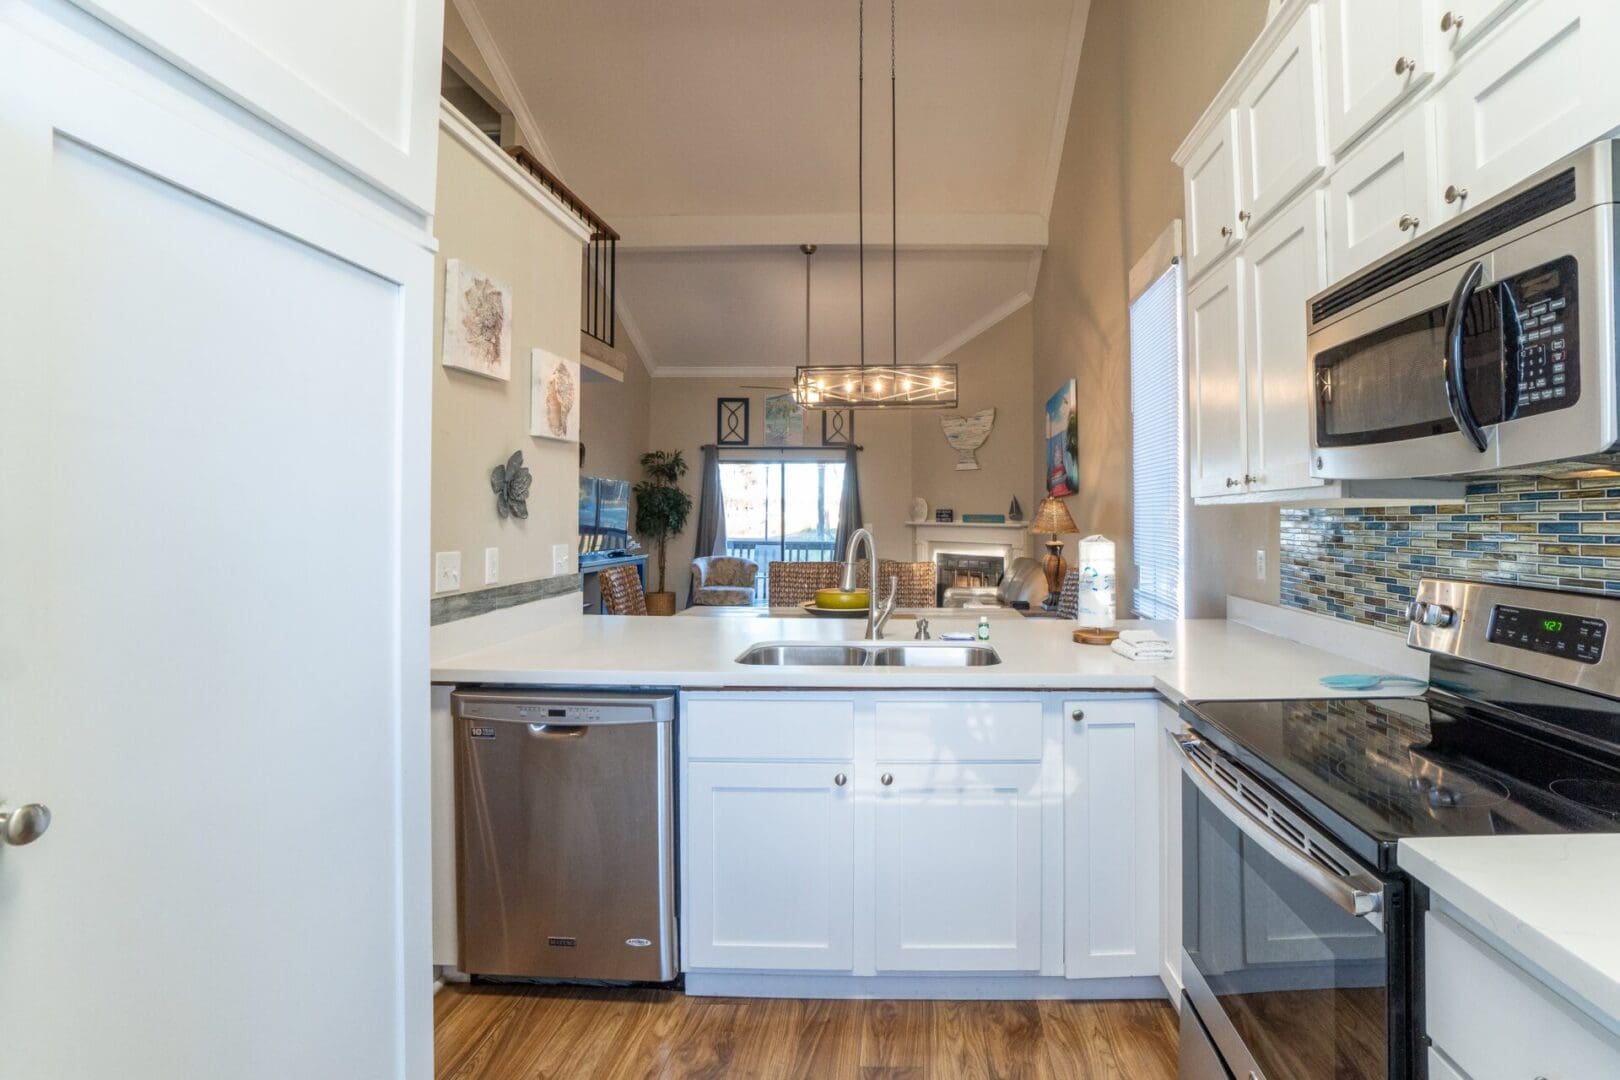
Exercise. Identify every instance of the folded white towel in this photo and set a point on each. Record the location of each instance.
(1139, 636)
(1155, 650)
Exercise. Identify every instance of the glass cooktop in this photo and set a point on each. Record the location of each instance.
(1374, 770)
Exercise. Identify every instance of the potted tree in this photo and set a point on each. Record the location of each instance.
(661, 512)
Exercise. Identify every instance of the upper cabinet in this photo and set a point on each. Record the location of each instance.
(1460, 23)
(1280, 115)
(358, 82)
(1212, 188)
(1382, 195)
(1375, 58)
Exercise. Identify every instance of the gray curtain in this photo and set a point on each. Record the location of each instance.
(849, 507)
(711, 521)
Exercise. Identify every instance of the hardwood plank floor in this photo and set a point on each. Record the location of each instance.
(549, 1033)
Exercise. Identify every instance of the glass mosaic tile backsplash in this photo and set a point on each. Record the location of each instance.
(1363, 563)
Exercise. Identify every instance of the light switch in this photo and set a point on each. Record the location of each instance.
(492, 565)
(561, 558)
(1259, 564)
(447, 571)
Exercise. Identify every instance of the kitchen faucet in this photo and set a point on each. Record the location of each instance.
(876, 616)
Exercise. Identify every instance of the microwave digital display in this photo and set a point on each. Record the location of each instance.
(1574, 637)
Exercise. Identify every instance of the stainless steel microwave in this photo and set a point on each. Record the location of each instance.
(1488, 345)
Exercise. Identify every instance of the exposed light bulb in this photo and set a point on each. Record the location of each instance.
(938, 382)
(905, 384)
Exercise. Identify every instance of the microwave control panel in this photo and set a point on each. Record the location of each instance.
(1546, 305)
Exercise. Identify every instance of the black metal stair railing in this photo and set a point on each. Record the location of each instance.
(601, 259)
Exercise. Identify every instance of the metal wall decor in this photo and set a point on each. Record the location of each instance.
(511, 483)
(837, 427)
(731, 421)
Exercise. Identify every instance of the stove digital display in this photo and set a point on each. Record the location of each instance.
(1573, 637)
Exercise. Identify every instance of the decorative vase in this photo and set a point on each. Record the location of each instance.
(660, 603)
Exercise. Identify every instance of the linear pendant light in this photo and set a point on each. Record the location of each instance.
(875, 386)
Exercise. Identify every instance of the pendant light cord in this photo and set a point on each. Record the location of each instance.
(860, 164)
(894, 199)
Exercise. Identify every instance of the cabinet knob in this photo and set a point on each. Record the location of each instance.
(1226, 232)
(1078, 715)
(1244, 216)
(886, 779)
(840, 779)
(1405, 65)
(1408, 221)
(1231, 481)
(1454, 193)
(1247, 479)
(1451, 21)
(24, 825)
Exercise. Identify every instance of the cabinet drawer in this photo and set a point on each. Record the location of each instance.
(1481, 1005)
(764, 729)
(959, 731)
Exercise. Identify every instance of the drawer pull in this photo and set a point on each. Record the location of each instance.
(1405, 65)
(1448, 22)
(1454, 193)
(1226, 232)
(1408, 221)
(840, 779)
(886, 779)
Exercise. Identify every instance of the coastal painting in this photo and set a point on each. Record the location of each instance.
(1062, 442)
(553, 396)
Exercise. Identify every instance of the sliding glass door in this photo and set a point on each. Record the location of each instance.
(781, 511)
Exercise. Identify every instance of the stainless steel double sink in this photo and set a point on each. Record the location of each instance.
(869, 654)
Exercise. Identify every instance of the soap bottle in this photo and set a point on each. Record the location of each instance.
(984, 628)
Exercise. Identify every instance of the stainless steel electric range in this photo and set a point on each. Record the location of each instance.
(1302, 954)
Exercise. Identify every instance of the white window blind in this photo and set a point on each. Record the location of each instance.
(1157, 452)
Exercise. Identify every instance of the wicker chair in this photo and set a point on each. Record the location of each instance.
(722, 581)
(791, 583)
(918, 583)
(621, 591)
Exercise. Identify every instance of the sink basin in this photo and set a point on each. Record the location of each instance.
(869, 654)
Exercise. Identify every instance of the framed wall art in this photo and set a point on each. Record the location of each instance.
(477, 322)
(553, 396)
(731, 421)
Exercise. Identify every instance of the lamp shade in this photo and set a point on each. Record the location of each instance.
(1053, 517)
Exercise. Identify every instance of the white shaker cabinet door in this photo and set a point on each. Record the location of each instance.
(958, 874)
(1375, 58)
(1542, 87)
(1280, 118)
(1211, 182)
(358, 81)
(1283, 267)
(1215, 383)
(1382, 196)
(1111, 838)
(1461, 23)
(769, 866)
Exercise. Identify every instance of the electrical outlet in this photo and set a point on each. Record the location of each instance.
(492, 565)
(447, 571)
(1259, 564)
(561, 558)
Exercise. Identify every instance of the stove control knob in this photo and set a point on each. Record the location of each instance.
(1414, 611)
(1438, 615)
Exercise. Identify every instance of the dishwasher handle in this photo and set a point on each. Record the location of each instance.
(557, 731)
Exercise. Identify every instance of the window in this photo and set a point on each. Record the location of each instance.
(781, 511)
(1158, 453)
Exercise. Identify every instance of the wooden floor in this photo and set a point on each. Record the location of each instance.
(503, 1033)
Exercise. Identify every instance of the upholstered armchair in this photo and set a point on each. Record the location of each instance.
(723, 581)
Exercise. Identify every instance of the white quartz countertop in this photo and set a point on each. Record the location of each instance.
(1548, 899)
(1214, 658)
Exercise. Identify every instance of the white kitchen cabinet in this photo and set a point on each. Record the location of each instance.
(1280, 122)
(1541, 88)
(372, 108)
(1282, 267)
(958, 871)
(1216, 393)
(769, 866)
(1376, 56)
(1382, 195)
(1461, 23)
(1169, 765)
(1111, 833)
(1211, 187)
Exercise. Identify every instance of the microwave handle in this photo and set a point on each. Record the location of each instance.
(1456, 387)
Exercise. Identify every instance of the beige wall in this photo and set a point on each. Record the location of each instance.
(995, 370)
(478, 422)
(615, 422)
(1148, 69)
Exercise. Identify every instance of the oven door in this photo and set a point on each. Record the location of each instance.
(1286, 961)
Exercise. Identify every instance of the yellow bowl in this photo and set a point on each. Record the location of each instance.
(838, 599)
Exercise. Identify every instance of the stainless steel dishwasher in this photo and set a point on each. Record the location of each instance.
(565, 834)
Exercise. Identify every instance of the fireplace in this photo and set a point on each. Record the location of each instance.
(967, 571)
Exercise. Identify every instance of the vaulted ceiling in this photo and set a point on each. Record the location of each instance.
(718, 136)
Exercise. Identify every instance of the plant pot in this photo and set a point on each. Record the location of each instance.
(660, 603)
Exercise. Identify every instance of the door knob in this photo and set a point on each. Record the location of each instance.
(840, 779)
(886, 779)
(24, 825)
(1453, 193)
(1405, 66)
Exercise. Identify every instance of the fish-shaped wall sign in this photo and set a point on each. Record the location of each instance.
(966, 434)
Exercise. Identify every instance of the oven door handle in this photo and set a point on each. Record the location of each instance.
(1361, 895)
(1462, 410)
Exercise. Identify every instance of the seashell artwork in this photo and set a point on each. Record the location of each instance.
(477, 322)
(553, 396)
(966, 434)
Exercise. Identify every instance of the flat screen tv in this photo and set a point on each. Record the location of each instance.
(587, 504)
(613, 505)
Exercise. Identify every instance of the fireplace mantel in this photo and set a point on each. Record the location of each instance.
(1009, 539)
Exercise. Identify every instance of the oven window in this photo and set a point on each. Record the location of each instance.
(1390, 385)
(1303, 982)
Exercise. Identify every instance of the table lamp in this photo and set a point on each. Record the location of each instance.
(1053, 518)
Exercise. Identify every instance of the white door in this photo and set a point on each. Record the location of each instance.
(1284, 268)
(1543, 87)
(1382, 196)
(768, 866)
(213, 591)
(1376, 56)
(1280, 115)
(958, 874)
(1211, 183)
(1215, 390)
(1111, 830)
